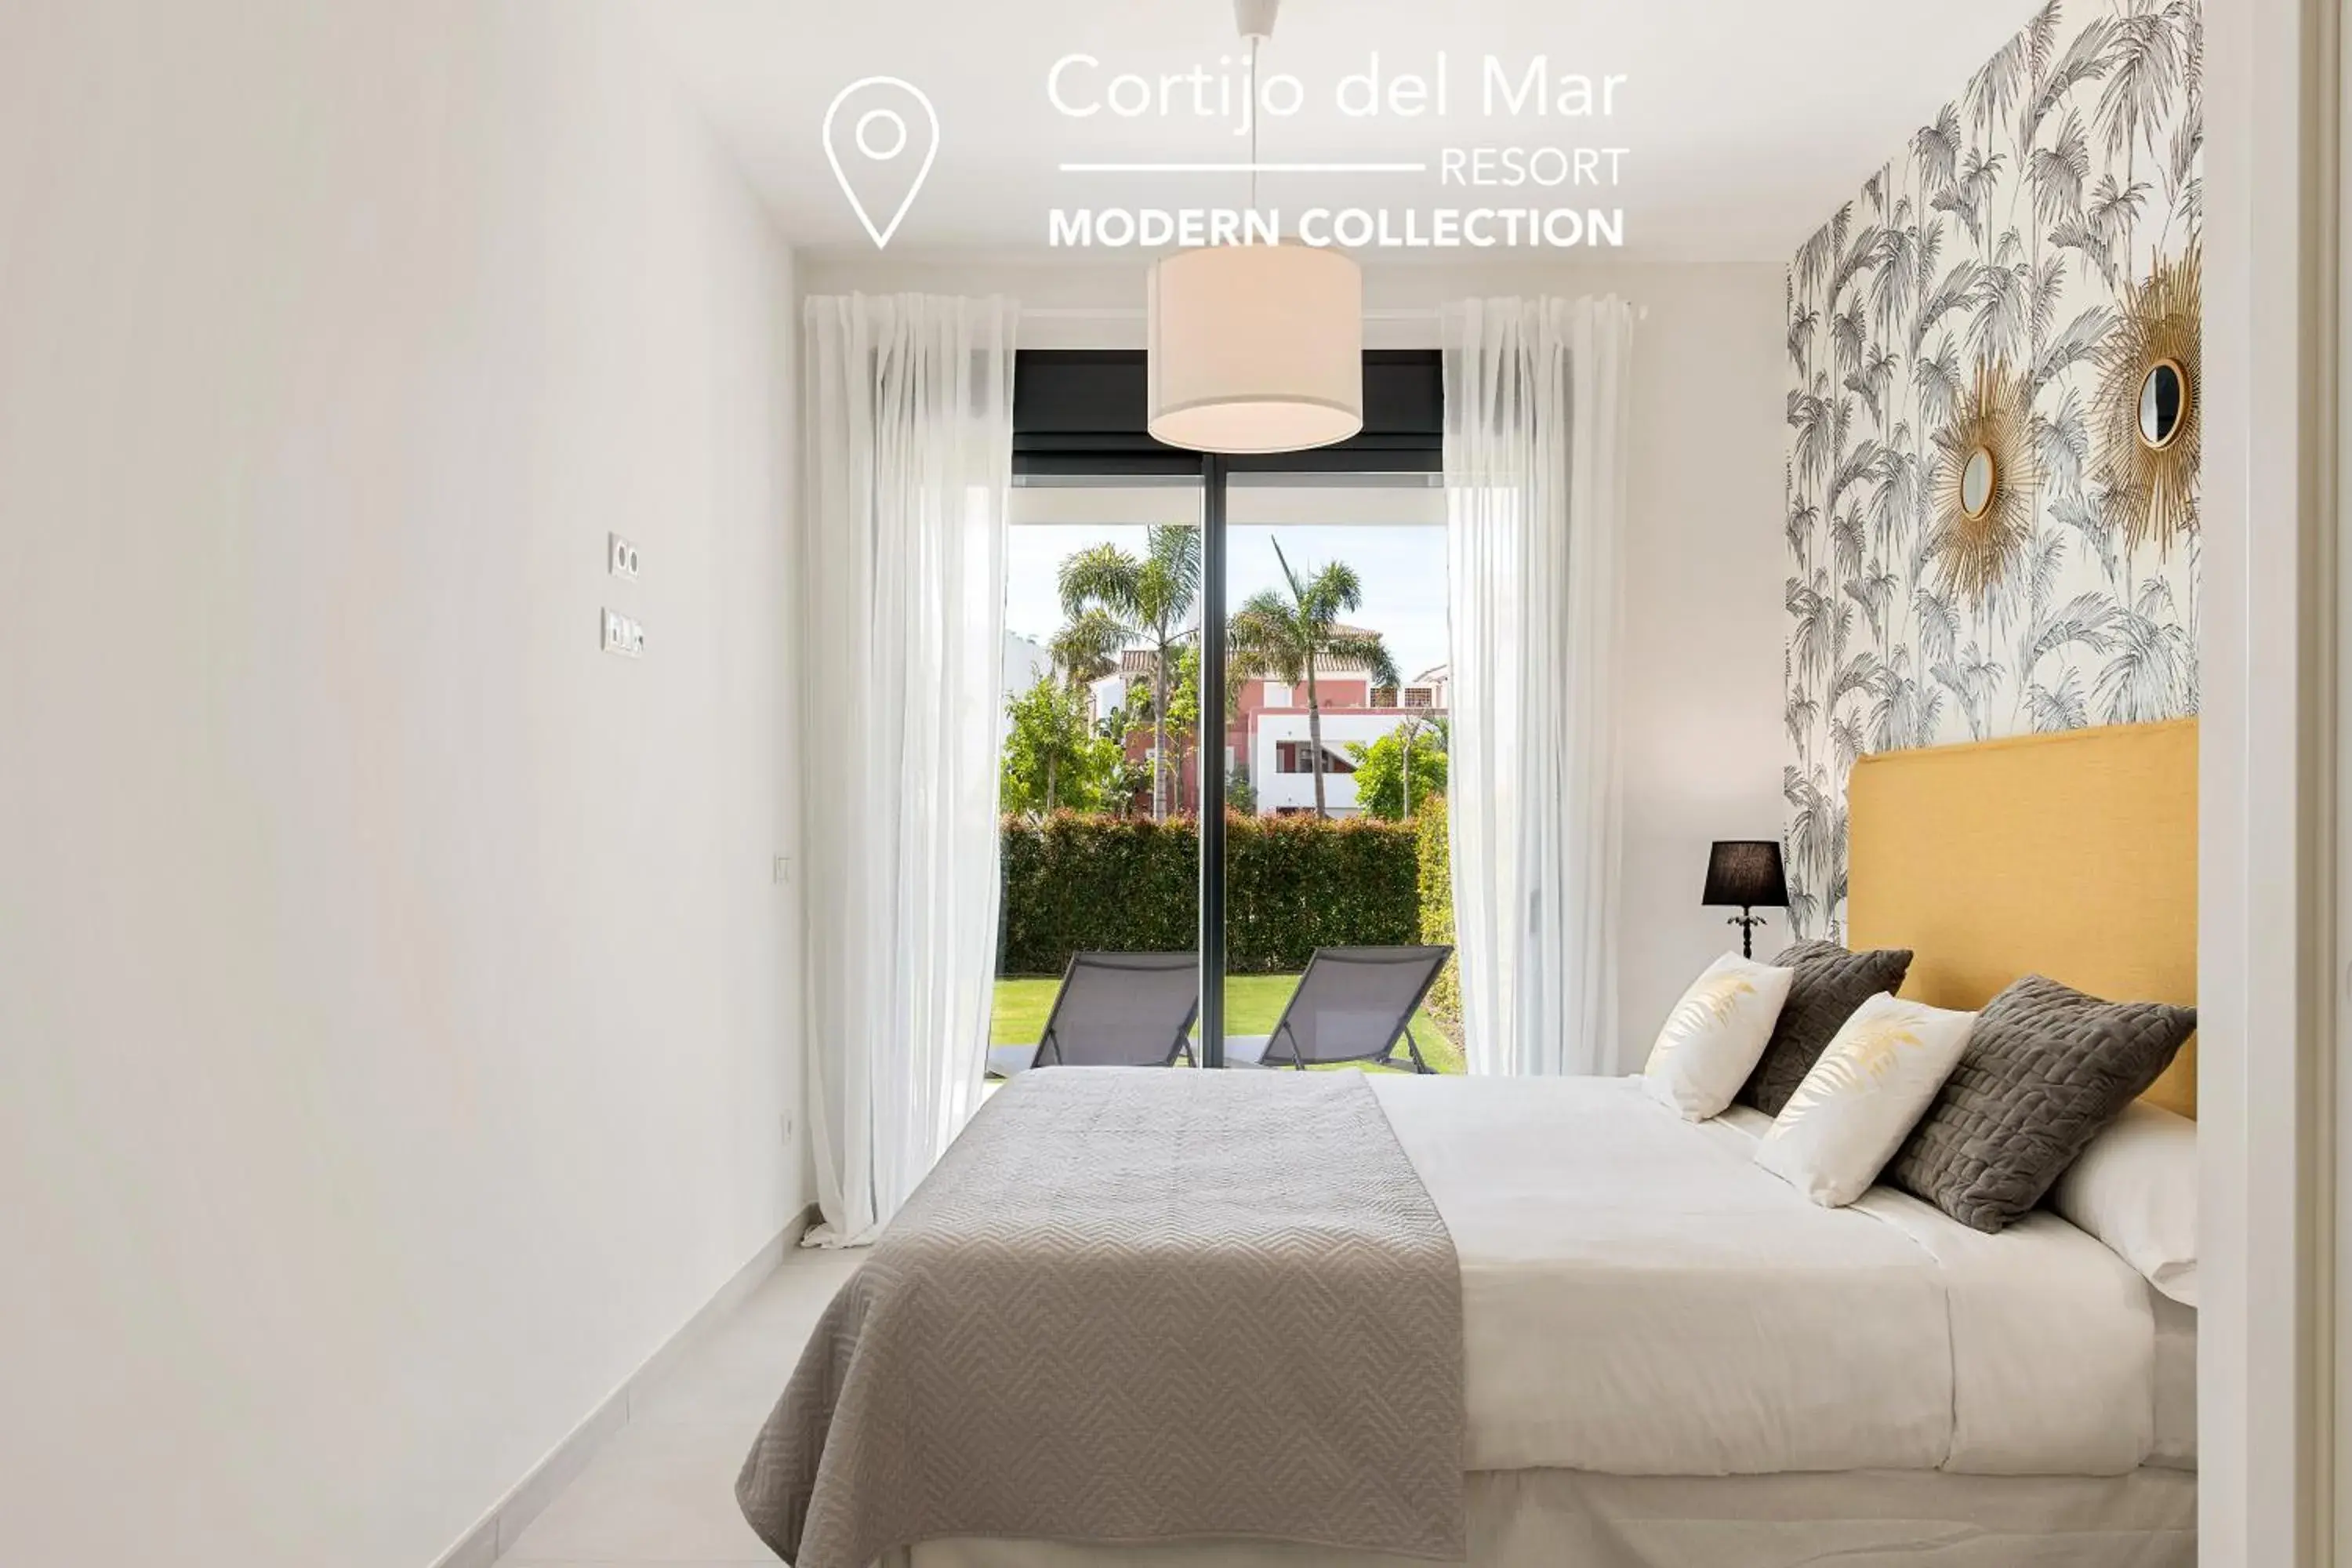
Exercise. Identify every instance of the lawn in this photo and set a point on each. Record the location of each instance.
(1253, 1002)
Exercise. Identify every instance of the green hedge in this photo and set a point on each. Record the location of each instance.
(1119, 884)
(1436, 874)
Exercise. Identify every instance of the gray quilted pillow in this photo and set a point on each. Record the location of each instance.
(2046, 1070)
(1830, 984)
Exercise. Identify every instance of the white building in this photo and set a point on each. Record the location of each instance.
(1282, 757)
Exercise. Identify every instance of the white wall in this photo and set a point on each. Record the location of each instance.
(1704, 567)
(395, 1006)
(1703, 596)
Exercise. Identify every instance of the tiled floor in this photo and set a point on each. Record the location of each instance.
(663, 1488)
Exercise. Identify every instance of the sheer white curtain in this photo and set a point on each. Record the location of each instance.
(1535, 393)
(908, 415)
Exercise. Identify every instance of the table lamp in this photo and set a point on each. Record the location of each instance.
(1746, 872)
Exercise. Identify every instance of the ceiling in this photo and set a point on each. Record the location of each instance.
(1745, 124)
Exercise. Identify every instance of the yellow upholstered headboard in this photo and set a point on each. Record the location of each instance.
(2073, 855)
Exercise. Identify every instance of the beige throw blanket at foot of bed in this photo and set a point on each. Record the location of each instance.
(1138, 1305)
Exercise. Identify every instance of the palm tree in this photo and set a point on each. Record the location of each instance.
(1283, 638)
(1087, 650)
(1148, 601)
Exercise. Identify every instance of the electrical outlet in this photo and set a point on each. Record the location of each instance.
(623, 635)
(620, 556)
(782, 870)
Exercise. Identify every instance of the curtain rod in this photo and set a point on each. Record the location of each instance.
(1131, 313)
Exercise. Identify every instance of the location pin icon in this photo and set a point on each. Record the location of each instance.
(880, 136)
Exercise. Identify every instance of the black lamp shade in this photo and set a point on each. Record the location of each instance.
(1746, 872)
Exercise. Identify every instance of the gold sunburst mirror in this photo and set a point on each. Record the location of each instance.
(1984, 485)
(2149, 420)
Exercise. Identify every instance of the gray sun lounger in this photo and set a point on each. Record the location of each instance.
(1114, 1009)
(1353, 1004)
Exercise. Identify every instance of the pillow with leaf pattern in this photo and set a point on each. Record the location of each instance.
(1714, 1035)
(1830, 984)
(1871, 1086)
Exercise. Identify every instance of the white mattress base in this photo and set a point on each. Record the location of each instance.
(1570, 1518)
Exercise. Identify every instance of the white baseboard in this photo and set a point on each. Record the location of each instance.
(498, 1530)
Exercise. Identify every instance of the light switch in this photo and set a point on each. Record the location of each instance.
(623, 635)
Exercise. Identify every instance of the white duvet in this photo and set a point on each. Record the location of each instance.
(1641, 1298)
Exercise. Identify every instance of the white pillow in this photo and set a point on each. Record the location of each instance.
(2135, 1188)
(1873, 1082)
(1714, 1034)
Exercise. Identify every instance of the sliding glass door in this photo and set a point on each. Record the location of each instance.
(1334, 733)
(1208, 662)
(1100, 784)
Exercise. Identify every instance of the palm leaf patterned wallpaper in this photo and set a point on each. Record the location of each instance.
(1976, 289)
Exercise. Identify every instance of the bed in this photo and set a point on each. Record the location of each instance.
(1666, 1353)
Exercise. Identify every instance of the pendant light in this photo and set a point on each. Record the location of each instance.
(1255, 348)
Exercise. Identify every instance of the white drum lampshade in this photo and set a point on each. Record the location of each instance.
(1256, 348)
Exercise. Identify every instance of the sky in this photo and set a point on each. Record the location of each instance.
(1402, 569)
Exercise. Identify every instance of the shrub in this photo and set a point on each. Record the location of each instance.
(1076, 883)
(1107, 883)
(1436, 858)
(1296, 883)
